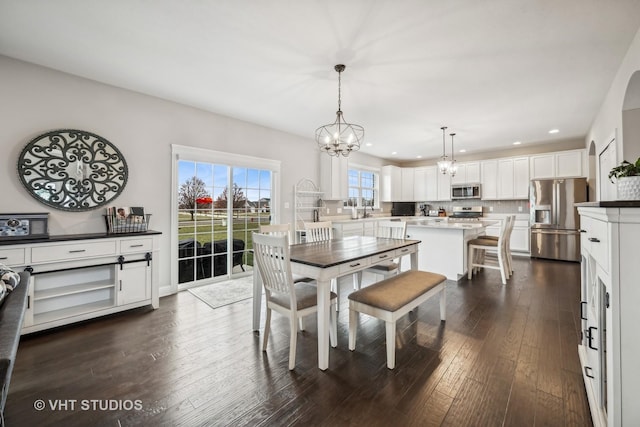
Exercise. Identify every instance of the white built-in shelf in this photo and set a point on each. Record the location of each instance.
(71, 290)
(56, 315)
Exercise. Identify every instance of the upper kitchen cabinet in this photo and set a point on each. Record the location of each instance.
(562, 164)
(391, 184)
(426, 183)
(468, 173)
(444, 186)
(397, 184)
(506, 179)
(489, 181)
(334, 177)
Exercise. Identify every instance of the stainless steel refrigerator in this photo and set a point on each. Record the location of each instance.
(555, 224)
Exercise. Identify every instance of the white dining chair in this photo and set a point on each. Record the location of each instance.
(477, 248)
(295, 300)
(389, 230)
(282, 230)
(318, 231)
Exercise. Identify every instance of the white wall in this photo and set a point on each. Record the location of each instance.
(34, 100)
(608, 121)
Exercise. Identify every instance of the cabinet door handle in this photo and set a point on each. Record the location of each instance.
(136, 246)
(120, 284)
(587, 369)
(354, 265)
(382, 256)
(594, 239)
(4, 257)
(582, 306)
(582, 231)
(590, 337)
(77, 251)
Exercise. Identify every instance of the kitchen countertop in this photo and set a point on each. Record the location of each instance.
(610, 204)
(447, 224)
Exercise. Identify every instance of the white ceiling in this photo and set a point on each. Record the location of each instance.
(494, 71)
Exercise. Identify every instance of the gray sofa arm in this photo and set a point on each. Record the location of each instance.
(12, 313)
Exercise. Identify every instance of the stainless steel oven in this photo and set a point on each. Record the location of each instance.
(465, 191)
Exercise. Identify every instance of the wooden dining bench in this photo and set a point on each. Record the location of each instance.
(391, 299)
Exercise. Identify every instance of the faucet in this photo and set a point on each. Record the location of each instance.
(365, 214)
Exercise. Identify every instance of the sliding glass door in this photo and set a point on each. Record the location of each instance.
(218, 207)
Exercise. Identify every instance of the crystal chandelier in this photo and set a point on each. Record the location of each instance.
(339, 138)
(444, 164)
(453, 167)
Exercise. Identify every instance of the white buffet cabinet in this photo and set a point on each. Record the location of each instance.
(79, 277)
(610, 291)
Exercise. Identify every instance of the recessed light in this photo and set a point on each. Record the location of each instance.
(463, 150)
(368, 144)
(554, 131)
(517, 143)
(393, 153)
(418, 157)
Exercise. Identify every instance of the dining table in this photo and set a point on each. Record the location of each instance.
(327, 260)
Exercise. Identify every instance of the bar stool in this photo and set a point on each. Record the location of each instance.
(477, 248)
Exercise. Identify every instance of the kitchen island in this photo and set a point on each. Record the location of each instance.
(443, 247)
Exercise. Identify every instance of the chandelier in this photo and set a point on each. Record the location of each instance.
(453, 167)
(444, 164)
(339, 138)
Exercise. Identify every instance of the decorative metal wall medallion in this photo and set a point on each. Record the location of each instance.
(72, 170)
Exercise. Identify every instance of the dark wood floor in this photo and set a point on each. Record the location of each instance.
(505, 356)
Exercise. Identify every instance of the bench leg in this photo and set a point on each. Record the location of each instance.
(353, 326)
(391, 344)
(333, 327)
(443, 302)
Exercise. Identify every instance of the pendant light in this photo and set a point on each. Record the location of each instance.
(444, 163)
(339, 138)
(453, 167)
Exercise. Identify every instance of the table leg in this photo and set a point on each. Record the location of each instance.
(324, 305)
(257, 298)
(414, 259)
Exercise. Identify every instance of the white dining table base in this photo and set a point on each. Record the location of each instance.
(323, 277)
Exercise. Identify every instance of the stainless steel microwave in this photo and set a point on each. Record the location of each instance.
(465, 191)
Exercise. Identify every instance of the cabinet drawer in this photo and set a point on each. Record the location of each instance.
(136, 245)
(354, 266)
(599, 241)
(72, 251)
(402, 252)
(12, 256)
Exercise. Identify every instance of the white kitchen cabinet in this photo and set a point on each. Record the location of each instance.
(513, 178)
(391, 183)
(542, 166)
(420, 184)
(432, 174)
(560, 164)
(521, 178)
(570, 163)
(610, 349)
(444, 186)
(407, 180)
(468, 173)
(489, 179)
(75, 278)
(334, 177)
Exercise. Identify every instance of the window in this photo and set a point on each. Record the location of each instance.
(363, 188)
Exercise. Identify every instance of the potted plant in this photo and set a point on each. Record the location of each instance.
(628, 176)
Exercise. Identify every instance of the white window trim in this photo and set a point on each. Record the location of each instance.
(378, 173)
(182, 152)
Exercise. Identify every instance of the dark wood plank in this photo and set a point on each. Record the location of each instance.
(505, 356)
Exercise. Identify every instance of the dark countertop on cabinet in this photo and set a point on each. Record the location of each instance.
(70, 237)
(610, 204)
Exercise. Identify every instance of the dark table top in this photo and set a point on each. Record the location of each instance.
(338, 251)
